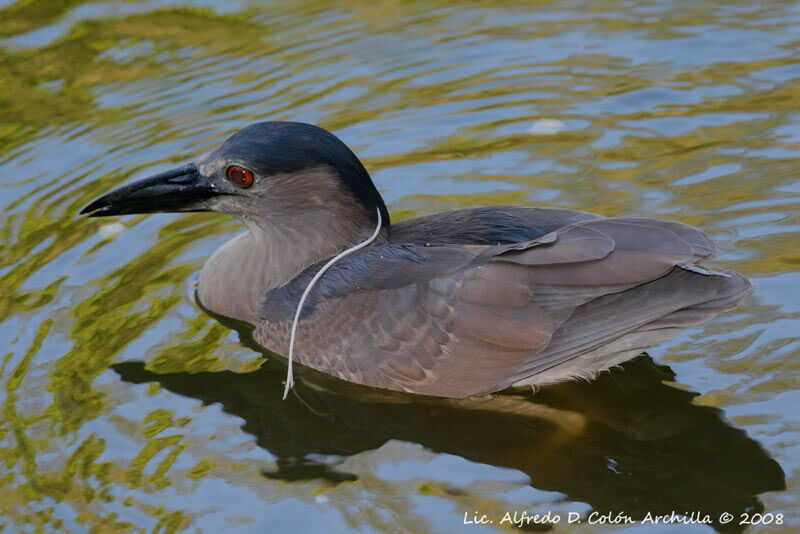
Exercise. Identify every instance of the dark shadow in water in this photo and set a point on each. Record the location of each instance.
(623, 442)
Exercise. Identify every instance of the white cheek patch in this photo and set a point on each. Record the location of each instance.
(209, 166)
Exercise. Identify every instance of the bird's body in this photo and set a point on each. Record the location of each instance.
(453, 304)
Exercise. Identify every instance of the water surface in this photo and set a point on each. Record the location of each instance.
(126, 408)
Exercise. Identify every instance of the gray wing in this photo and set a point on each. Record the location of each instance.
(466, 320)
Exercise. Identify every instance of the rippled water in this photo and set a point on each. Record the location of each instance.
(125, 407)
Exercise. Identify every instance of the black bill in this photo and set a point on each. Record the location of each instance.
(182, 189)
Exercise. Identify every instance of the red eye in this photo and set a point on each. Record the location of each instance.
(239, 176)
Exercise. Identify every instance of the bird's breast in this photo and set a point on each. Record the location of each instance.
(231, 283)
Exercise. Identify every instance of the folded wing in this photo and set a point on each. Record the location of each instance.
(461, 320)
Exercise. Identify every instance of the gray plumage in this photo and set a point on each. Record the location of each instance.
(454, 304)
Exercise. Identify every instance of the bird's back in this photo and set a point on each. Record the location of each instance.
(492, 225)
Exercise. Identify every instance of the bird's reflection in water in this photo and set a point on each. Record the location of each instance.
(623, 442)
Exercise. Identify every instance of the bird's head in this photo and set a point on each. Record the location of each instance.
(267, 173)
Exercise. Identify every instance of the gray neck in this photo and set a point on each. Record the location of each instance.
(271, 253)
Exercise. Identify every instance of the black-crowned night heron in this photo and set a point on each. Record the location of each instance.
(453, 304)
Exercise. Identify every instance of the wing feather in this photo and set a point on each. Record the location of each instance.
(461, 320)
